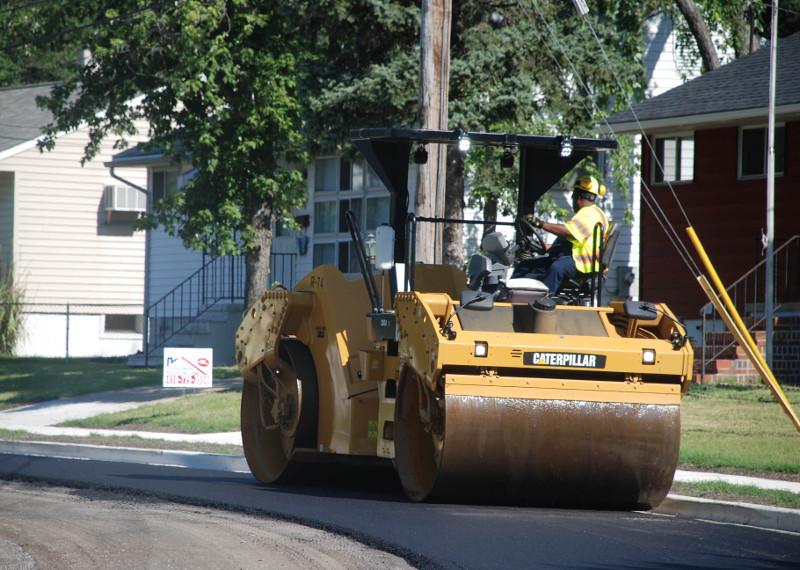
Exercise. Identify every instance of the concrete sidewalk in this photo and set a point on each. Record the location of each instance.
(42, 419)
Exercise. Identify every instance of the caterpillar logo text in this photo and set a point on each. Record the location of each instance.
(569, 359)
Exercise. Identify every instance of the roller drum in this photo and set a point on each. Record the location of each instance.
(542, 452)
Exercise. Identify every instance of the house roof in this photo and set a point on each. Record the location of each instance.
(736, 91)
(21, 121)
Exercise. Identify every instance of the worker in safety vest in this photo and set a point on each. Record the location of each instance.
(571, 252)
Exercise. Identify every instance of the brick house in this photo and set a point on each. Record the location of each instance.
(710, 136)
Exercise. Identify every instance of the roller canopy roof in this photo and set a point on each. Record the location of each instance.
(541, 165)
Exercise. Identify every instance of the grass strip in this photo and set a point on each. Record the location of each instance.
(738, 426)
(740, 493)
(30, 380)
(123, 441)
(210, 412)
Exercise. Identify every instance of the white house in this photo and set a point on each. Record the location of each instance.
(67, 231)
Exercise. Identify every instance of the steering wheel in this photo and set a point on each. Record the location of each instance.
(533, 239)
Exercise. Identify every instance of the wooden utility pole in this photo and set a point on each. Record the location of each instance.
(434, 71)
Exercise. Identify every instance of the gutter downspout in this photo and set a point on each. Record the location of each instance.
(146, 315)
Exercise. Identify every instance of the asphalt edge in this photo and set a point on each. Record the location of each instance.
(760, 516)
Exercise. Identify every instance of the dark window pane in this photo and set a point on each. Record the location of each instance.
(123, 323)
(344, 175)
(325, 172)
(343, 257)
(344, 205)
(753, 152)
(159, 186)
(324, 253)
(658, 174)
(377, 212)
(780, 145)
(354, 267)
(325, 217)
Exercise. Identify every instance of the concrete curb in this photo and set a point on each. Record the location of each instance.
(169, 458)
(761, 516)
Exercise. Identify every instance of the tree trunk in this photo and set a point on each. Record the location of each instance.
(256, 262)
(701, 34)
(490, 213)
(454, 208)
(433, 93)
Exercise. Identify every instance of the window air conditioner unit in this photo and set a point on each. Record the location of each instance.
(125, 199)
(123, 204)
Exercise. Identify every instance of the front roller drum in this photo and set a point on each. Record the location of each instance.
(279, 413)
(541, 452)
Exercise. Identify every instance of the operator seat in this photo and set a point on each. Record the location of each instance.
(489, 273)
(578, 290)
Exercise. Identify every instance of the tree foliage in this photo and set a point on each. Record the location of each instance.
(217, 80)
(22, 61)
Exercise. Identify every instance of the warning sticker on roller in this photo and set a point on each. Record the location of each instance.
(564, 359)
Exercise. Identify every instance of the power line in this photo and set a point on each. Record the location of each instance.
(657, 210)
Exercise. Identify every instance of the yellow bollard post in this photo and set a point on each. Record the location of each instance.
(733, 320)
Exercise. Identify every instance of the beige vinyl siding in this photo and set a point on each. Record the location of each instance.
(64, 250)
(6, 219)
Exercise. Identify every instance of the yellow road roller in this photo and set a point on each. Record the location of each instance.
(476, 386)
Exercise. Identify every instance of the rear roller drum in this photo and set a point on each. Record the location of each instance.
(279, 413)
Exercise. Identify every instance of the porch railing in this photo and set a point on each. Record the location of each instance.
(747, 294)
(219, 279)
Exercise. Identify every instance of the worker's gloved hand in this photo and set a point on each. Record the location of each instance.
(534, 221)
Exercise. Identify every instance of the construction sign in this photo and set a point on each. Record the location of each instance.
(188, 367)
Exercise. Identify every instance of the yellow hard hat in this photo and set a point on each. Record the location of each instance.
(589, 184)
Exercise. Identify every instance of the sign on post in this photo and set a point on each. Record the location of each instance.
(188, 367)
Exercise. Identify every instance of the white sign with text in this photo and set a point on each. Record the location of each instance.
(188, 367)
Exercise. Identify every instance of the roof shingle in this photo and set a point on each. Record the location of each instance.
(740, 85)
(21, 120)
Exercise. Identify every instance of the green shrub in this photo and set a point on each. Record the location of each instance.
(10, 311)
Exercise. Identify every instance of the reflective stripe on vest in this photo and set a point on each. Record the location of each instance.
(582, 250)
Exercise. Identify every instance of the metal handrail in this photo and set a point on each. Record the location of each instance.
(708, 308)
(220, 278)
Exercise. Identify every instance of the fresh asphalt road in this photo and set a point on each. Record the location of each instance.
(366, 503)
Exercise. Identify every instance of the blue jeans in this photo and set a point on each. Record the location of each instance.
(552, 271)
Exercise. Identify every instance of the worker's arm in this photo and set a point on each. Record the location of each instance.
(558, 229)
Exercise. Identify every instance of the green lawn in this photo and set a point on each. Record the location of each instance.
(739, 427)
(196, 413)
(29, 380)
(723, 426)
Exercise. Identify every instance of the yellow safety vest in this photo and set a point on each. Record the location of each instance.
(581, 227)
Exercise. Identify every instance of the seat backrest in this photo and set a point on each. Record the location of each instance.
(612, 237)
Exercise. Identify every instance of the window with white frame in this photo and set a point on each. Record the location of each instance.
(341, 185)
(674, 159)
(753, 151)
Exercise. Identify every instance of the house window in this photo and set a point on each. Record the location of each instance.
(675, 155)
(753, 151)
(164, 183)
(325, 217)
(342, 185)
(123, 324)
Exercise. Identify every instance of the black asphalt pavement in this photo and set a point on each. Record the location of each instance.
(367, 503)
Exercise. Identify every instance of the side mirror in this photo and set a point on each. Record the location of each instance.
(384, 247)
